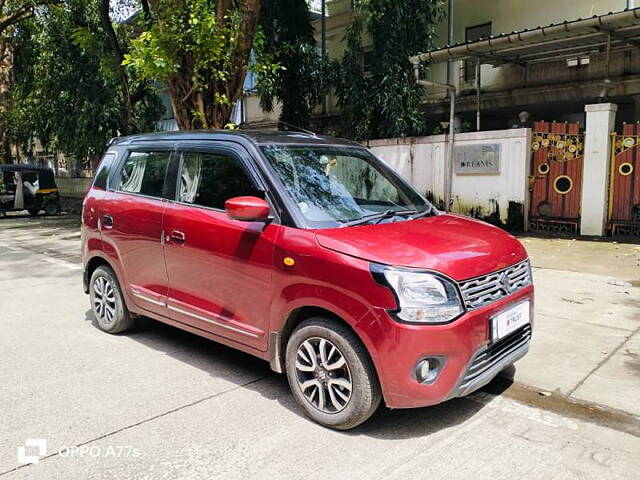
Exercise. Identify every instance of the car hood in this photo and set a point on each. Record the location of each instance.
(457, 246)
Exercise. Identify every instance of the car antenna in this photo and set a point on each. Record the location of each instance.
(295, 127)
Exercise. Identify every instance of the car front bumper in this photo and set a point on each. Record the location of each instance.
(469, 359)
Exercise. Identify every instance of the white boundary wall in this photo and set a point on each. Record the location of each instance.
(421, 160)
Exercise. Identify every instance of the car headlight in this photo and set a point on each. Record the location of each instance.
(424, 297)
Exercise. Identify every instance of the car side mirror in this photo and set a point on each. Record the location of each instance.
(247, 209)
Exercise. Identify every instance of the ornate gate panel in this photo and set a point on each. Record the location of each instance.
(624, 187)
(555, 182)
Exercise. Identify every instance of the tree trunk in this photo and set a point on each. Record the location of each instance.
(130, 124)
(6, 62)
(197, 109)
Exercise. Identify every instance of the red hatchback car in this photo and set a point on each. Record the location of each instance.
(311, 253)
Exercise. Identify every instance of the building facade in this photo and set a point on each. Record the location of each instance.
(547, 90)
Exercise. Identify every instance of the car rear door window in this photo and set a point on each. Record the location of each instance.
(144, 173)
(209, 179)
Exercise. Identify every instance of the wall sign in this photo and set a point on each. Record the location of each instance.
(482, 159)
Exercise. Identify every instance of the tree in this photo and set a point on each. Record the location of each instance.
(118, 53)
(66, 89)
(353, 86)
(304, 77)
(110, 42)
(386, 101)
(200, 50)
(6, 64)
(12, 12)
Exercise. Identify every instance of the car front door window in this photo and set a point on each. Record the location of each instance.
(209, 179)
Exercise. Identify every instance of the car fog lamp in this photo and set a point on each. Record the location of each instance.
(428, 369)
(423, 370)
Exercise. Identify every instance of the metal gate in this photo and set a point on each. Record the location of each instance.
(624, 186)
(555, 182)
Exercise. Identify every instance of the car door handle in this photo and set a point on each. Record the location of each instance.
(177, 236)
(107, 221)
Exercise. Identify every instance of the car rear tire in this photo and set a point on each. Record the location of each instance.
(331, 375)
(107, 302)
(33, 211)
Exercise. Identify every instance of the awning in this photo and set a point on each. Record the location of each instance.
(575, 38)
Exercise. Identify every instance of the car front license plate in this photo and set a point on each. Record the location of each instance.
(509, 321)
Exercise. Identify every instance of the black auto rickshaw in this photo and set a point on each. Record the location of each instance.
(23, 187)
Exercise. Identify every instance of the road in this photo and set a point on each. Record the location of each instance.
(159, 403)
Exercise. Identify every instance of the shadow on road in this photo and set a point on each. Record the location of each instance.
(16, 216)
(215, 358)
(27, 240)
(26, 221)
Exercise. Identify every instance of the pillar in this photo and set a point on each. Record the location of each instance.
(601, 119)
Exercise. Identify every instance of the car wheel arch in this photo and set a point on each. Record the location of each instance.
(278, 341)
(97, 261)
(90, 267)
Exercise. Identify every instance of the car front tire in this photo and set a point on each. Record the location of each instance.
(107, 302)
(331, 375)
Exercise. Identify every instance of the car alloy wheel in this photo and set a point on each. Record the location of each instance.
(107, 303)
(323, 375)
(104, 301)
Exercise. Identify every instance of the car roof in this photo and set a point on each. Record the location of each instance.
(12, 167)
(257, 137)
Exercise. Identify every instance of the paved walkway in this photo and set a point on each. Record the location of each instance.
(586, 343)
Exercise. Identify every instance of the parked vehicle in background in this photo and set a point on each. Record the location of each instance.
(311, 253)
(23, 187)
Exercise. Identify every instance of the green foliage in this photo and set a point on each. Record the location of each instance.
(385, 101)
(304, 77)
(65, 89)
(12, 12)
(187, 29)
(200, 50)
(354, 87)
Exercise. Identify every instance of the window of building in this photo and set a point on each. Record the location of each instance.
(209, 179)
(144, 173)
(472, 34)
(367, 61)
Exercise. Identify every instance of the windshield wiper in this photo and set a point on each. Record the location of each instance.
(430, 211)
(377, 216)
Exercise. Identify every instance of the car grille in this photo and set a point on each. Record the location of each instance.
(481, 291)
(494, 354)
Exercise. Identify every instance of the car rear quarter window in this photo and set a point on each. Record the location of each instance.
(144, 173)
(100, 180)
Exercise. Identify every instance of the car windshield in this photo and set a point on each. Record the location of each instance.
(342, 186)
